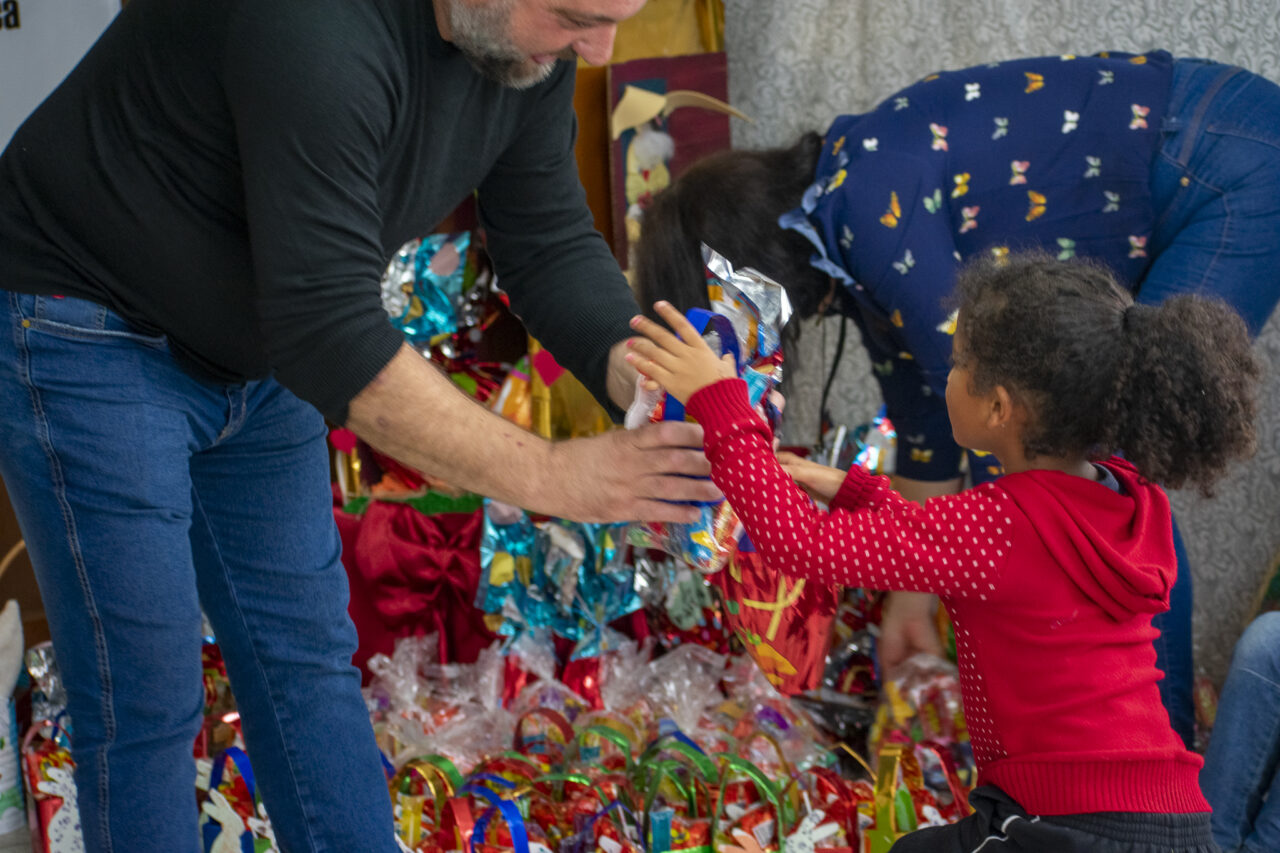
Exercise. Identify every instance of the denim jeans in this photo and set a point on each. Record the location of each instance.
(145, 495)
(1240, 778)
(1216, 189)
(1174, 655)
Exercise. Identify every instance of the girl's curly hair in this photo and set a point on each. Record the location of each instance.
(1171, 386)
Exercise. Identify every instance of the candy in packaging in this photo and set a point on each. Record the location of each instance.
(748, 312)
(422, 287)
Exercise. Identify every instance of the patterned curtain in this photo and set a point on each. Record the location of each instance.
(795, 64)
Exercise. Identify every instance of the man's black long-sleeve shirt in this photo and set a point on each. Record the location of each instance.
(237, 173)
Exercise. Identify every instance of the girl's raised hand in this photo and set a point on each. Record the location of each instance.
(682, 363)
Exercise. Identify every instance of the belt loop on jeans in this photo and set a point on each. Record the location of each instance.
(1190, 130)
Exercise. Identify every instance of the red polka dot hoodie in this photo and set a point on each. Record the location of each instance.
(1051, 581)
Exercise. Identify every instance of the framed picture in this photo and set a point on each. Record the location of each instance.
(666, 114)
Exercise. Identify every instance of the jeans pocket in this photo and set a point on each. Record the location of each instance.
(76, 319)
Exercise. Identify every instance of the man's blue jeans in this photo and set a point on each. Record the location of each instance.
(1240, 778)
(1216, 189)
(145, 495)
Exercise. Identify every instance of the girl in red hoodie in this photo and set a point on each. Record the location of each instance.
(1051, 574)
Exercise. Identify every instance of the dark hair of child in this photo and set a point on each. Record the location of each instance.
(1173, 387)
(731, 201)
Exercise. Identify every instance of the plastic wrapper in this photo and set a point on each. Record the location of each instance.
(423, 707)
(508, 546)
(398, 678)
(514, 398)
(845, 719)
(221, 726)
(586, 564)
(422, 287)
(48, 695)
(922, 704)
(844, 704)
(562, 406)
(552, 695)
(748, 312)
(567, 577)
(851, 665)
(683, 683)
(48, 773)
(681, 607)
(868, 445)
(622, 674)
(770, 731)
(922, 710)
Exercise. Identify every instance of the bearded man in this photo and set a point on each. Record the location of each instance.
(192, 232)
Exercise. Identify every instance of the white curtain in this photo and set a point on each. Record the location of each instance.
(795, 64)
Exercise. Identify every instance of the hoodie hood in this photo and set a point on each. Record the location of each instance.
(1116, 547)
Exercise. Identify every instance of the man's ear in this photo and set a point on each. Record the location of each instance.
(1000, 408)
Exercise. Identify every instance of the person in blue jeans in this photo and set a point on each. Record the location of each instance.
(1167, 171)
(1241, 775)
(193, 229)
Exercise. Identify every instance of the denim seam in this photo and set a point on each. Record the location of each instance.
(291, 760)
(1270, 142)
(1222, 243)
(65, 330)
(1174, 202)
(1190, 175)
(1264, 679)
(1202, 106)
(99, 639)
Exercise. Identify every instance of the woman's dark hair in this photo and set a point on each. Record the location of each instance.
(731, 201)
(1173, 386)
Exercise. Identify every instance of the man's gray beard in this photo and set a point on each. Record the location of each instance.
(481, 33)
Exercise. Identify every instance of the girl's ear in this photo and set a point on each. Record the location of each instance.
(999, 408)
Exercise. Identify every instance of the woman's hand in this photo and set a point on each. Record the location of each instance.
(819, 482)
(682, 363)
(907, 627)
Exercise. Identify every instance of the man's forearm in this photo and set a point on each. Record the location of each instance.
(413, 413)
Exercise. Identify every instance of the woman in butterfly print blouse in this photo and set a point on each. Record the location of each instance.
(1168, 171)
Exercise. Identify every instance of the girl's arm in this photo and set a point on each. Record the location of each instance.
(872, 537)
(954, 546)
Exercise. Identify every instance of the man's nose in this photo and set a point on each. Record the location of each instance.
(596, 45)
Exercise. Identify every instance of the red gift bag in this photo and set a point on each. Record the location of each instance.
(784, 622)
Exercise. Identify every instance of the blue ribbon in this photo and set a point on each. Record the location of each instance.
(238, 757)
(515, 820)
(703, 320)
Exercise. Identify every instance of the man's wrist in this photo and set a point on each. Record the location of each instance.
(620, 378)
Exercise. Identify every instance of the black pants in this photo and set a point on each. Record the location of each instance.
(1000, 825)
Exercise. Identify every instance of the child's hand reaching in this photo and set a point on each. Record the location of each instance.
(682, 363)
(820, 482)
